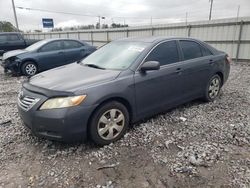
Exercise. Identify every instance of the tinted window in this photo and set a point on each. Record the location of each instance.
(205, 51)
(3, 38)
(164, 53)
(190, 49)
(13, 38)
(52, 46)
(69, 44)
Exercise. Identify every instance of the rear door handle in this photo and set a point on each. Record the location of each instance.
(211, 61)
(178, 70)
(60, 52)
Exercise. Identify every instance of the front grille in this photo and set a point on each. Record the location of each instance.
(27, 102)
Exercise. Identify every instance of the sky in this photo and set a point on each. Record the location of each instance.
(131, 12)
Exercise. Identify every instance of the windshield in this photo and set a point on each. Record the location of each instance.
(116, 55)
(36, 45)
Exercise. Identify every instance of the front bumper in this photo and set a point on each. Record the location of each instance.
(65, 124)
(10, 66)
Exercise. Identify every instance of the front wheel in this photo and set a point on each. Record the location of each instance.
(29, 69)
(109, 123)
(213, 88)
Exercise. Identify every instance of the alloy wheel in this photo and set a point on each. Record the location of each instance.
(31, 69)
(111, 124)
(214, 88)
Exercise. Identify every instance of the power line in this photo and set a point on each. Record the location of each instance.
(57, 12)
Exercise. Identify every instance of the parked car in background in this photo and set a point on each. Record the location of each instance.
(45, 54)
(12, 41)
(119, 84)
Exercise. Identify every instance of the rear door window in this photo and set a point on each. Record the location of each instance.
(205, 51)
(165, 53)
(52, 46)
(13, 37)
(3, 38)
(190, 49)
(70, 44)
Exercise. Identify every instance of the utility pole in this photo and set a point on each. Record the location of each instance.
(14, 10)
(238, 12)
(211, 7)
(186, 18)
(99, 17)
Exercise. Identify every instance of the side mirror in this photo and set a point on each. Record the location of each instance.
(150, 65)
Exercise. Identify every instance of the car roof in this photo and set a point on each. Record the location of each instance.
(154, 39)
(4, 33)
(54, 39)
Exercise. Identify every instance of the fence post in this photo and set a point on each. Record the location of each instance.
(239, 41)
(67, 34)
(107, 36)
(91, 35)
(152, 31)
(127, 33)
(189, 30)
(78, 35)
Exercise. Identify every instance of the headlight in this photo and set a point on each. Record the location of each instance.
(62, 102)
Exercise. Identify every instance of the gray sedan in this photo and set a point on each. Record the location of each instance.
(119, 84)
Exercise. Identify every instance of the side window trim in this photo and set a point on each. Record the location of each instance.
(64, 48)
(203, 46)
(39, 50)
(190, 41)
(168, 40)
(13, 34)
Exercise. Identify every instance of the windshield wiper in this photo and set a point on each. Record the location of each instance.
(94, 66)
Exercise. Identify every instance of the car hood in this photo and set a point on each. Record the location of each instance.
(72, 77)
(13, 53)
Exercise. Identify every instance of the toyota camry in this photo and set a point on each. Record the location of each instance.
(121, 83)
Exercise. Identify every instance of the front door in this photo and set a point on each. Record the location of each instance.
(159, 89)
(51, 55)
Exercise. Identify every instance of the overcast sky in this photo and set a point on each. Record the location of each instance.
(132, 12)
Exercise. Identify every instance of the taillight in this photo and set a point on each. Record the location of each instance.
(228, 59)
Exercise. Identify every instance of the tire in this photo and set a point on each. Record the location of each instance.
(213, 88)
(105, 127)
(29, 68)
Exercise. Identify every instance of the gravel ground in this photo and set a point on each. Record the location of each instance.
(195, 145)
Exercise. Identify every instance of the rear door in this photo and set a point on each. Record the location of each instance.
(197, 65)
(73, 51)
(51, 55)
(159, 89)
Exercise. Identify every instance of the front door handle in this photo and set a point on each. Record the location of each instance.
(60, 53)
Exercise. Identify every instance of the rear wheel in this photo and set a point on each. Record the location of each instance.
(109, 123)
(29, 68)
(213, 88)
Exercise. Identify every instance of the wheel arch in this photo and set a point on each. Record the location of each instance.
(221, 77)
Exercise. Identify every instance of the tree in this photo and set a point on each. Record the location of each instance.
(114, 25)
(105, 26)
(97, 26)
(7, 27)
